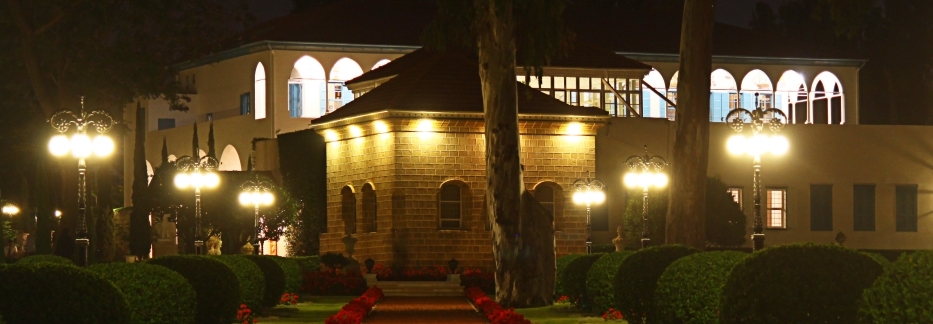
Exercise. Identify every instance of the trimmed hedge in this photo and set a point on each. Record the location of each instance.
(309, 264)
(637, 278)
(575, 279)
(45, 258)
(599, 280)
(562, 263)
(903, 293)
(154, 294)
(274, 277)
(216, 286)
(884, 262)
(51, 293)
(797, 283)
(292, 271)
(688, 291)
(252, 282)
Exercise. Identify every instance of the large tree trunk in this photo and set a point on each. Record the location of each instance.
(140, 233)
(691, 140)
(521, 240)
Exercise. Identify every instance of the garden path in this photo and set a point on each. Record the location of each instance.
(409, 310)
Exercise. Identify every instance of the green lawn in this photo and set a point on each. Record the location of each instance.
(310, 309)
(559, 314)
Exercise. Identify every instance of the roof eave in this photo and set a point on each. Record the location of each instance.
(659, 57)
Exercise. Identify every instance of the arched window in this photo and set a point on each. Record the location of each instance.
(348, 209)
(652, 104)
(723, 95)
(230, 160)
(369, 209)
(306, 89)
(672, 96)
(791, 97)
(451, 205)
(259, 88)
(826, 100)
(337, 94)
(756, 81)
(550, 195)
(380, 63)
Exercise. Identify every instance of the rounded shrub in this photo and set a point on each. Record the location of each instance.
(292, 271)
(274, 277)
(51, 293)
(575, 279)
(637, 277)
(903, 293)
(797, 283)
(599, 280)
(216, 286)
(884, 262)
(562, 263)
(248, 274)
(154, 294)
(45, 258)
(689, 289)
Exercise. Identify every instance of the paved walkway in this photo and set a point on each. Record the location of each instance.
(409, 310)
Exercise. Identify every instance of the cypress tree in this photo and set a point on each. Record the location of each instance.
(194, 143)
(210, 143)
(140, 232)
(164, 153)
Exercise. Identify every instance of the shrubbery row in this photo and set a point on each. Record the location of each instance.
(797, 283)
(170, 289)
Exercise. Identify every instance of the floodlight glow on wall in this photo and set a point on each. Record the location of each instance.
(331, 135)
(356, 131)
(381, 126)
(425, 128)
(574, 128)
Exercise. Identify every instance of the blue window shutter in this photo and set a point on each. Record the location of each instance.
(646, 103)
(346, 95)
(323, 107)
(712, 106)
(294, 100)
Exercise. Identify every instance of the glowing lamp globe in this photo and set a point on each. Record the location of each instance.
(103, 145)
(245, 198)
(211, 180)
(59, 145)
(267, 198)
(182, 180)
(737, 144)
(81, 146)
(779, 145)
(660, 180)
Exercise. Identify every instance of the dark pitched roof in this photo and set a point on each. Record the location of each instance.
(445, 82)
(620, 28)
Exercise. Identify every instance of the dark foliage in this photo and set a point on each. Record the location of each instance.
(302, 159)
(798, 283)
(309, 263)
(599, 280)
(216, 286)
(292, 271)
(688, 291)
(154, 294)
(328, 283)
(903, 293)
(45, 258)
(274, 277)
(637, 278)
(562, 263)
(51, 293)
(334, 261)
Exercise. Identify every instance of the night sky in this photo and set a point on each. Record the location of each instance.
(733, 12)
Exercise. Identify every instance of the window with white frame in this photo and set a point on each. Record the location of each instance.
(450, 206)
(776, 207)
(736, 193)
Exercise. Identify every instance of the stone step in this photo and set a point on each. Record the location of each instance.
(420, 288)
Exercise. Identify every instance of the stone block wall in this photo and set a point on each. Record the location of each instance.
(407, 167)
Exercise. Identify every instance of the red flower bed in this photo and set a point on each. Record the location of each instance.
(353, 312)
(485, 281)
(328, 283)
(492, 310)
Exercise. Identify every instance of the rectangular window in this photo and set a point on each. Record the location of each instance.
(560, 95)
(584, 83)
(906, 202)
(821, 207)
(776, 208)
(558, 82)
(545, 82)
(533, 82)
(571, 83)
(244, 104)
(736, 193)
(166, 123)
(294, 100)
(596, 83)
(863, 207)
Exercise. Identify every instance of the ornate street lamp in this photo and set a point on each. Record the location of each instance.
(588, 191)
(645, 171)
(197, 174)
(756, 145)
(256, 192)
(81, 146)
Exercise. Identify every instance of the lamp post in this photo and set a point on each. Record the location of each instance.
(197, 174)
(81, 147)
(9, 210)
(645, 171)
(256, 192)
(756, 145)
(588, 191)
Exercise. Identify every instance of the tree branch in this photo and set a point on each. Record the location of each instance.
(59, 15)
